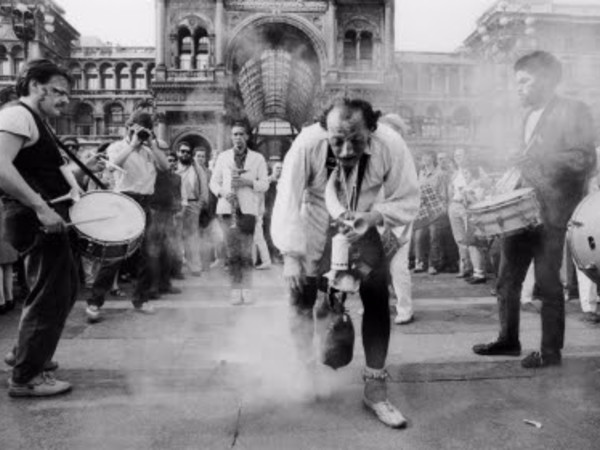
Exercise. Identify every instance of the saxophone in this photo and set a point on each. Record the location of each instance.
(235, 203)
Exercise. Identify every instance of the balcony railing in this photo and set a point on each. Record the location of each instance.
(7, 78)
(372, 76)
(183, 75)
(110, 93)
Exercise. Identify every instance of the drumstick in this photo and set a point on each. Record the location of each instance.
(82, 222)
(95, 219)
(114, 166)
(63, 198)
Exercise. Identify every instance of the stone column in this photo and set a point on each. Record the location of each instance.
(219, 32)
(161, 129)
(161, 18)
(390, 35)
(161, 50)
(332, 36)
(219, 117)
(35, 50)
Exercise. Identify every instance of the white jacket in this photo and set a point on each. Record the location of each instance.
(220, 182)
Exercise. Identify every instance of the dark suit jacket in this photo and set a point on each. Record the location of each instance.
(561, 157)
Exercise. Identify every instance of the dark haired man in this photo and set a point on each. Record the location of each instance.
(140, 156)
(194, 197)
(381, 175)
(238, 176)
(30, 175)
(556, 160)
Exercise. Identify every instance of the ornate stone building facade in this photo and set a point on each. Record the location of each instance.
(275, 62)
(272, 62)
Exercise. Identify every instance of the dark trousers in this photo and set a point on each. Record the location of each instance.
(141, 260)
(428, 242)
(161, 254)
(545, 247)
(51, 269)
(375, 322)
(238, 247)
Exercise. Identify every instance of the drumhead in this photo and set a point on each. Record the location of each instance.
(583, 236)
(125, 219)
(501, 199)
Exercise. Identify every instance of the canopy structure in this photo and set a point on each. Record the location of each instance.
(275, 85)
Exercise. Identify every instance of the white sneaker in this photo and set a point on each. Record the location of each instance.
(247, 296)
(93, 313)
(236, 298)
(145, 308)
(403, 319)
(387, 413)
(44, 385)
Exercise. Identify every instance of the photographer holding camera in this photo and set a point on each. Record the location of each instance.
(139, 156)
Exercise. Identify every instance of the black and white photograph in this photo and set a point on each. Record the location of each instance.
(299, 224)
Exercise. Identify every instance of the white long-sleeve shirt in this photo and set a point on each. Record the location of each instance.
(220, 182)
(300, 218)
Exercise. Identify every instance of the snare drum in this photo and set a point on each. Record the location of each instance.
(505, 214)
(583, 236)
(114, 238)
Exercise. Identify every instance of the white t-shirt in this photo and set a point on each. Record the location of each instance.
(18, 121)
(140, 170)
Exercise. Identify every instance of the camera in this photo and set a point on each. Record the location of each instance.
(143, 135)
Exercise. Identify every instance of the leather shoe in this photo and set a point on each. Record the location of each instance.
(476, 280)
(498, 348)
(536, 360)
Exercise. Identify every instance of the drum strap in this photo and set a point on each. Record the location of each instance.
(69, 153)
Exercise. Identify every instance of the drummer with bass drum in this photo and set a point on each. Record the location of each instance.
(556, 159)
(32, 172)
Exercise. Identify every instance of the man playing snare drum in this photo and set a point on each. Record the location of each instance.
(556, 160)
(31, 174)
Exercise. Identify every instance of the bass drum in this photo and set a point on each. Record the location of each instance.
(583, 236)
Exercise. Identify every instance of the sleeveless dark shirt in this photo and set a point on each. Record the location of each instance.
(40, 164)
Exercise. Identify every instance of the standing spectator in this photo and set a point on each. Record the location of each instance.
(164, 204)
(139, 156)
(176, 237)
(194, 198)
(465, 188)
(399, 271)
(8, 257)
(239, 175)
(260, 250)
(269, 202)
(428, 238)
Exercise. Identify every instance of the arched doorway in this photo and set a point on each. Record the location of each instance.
(195, 141)
(276, 67)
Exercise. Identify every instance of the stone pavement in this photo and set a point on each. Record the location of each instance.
(201, 374)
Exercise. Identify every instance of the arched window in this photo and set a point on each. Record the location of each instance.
(461, 122)
(107, 77)
(4, 61)
(18, 56)
(92, 81)
(432, 123)
(77, 77)
(123, 80)
(114, 118)
(151, 72)
(84, 120)
(350, 39)
(185, 43)
(203, 53)
(139, 78)
(365, 48)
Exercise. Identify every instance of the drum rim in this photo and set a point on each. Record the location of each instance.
(128, 241)
(529, 191)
